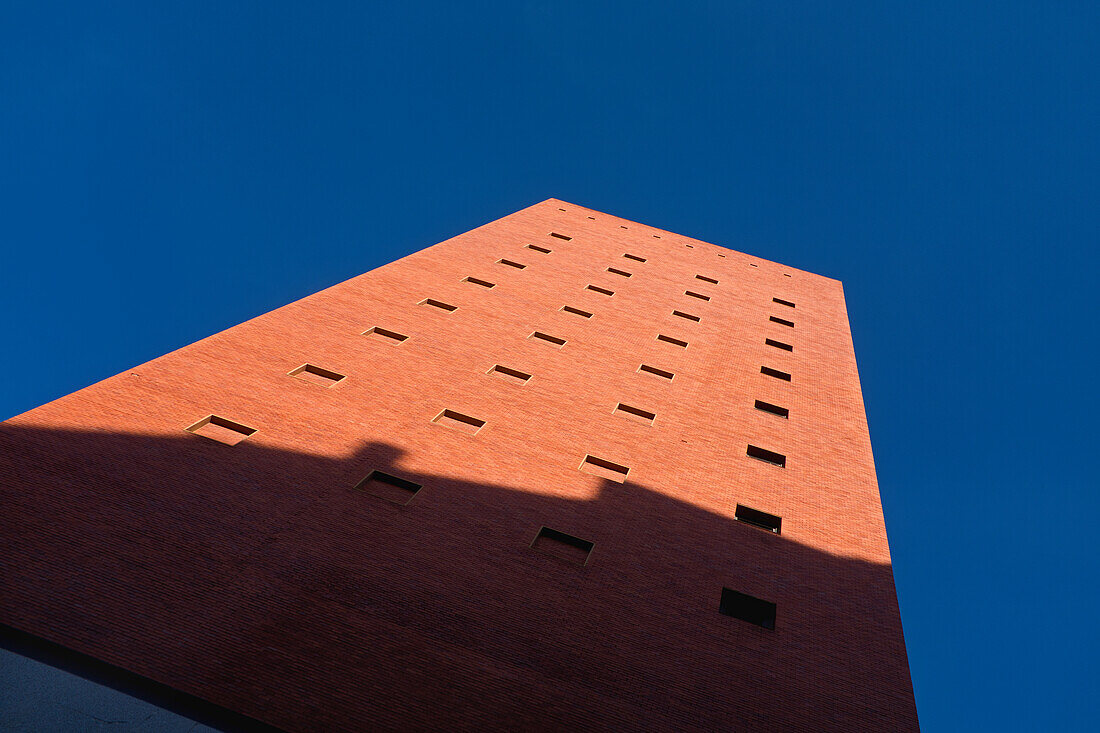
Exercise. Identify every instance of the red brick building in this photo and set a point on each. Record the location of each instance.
(561, 471)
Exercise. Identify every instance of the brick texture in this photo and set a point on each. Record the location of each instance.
(258, 577)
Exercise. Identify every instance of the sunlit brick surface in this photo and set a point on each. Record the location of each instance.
(259, 577)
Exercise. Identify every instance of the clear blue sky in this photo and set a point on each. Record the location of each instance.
(168, 172)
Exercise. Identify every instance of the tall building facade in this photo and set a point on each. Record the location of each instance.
(562, 471)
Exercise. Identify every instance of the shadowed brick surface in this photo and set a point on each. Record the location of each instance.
(258, 577)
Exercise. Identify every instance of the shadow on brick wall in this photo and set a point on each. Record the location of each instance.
(207, 578)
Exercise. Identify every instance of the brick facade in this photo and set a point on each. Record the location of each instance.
(269, 578)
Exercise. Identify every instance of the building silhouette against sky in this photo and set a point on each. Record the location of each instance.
(562, 471)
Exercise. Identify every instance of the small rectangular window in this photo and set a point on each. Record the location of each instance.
(383, 333)
(509, 263)
(221, 430)
(635, 413)
(390, 488)
(700, 296)
(767, 456)
(658, 236)
(779, 344)
(560, 236)
(647, 369)
(775, 373)
(511, 375)
(686, 315)
(624, 273)
(465, 423)
(439, 304)
(780, 321)
(689, 246)
(576, 311)
(704, 278)
(757, 518)
(317, 375)
(605, 291)
(747, 608)
(636, 258)
(604, 469)
(563, 546)
(782, 412)
(753, 264)
(539, 249)
(670, 340)
(482, 283)
(552, 340)
(787, 303)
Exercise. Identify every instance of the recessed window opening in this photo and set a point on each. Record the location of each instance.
(779, 344)
(510, 375)
(552, 340)
(747, 608)
(621, 227)
(721, 255)
(686, 315)
(656, 236)
(516, 265)
(604, 469)
(781, 322)
(700, 296)
(560, 209)
(775, 373)
(656, 372)
(439, 304)
(636, 258)
(576, 311)
(379, 332)
(757, 518)
(689, 246)
(670, 340)
(561, 236)
(786, 274)
(539, 249)
(391, 488)
(776, 459)
(787, 303)
(635, 413)
(604, 291)
(465, 423)
(704, 278)
(482, 283)
(753, 264)
(592, 218)
(317, 375)
(221, 429)
(563, 546)
(782, 412)
(624, 273)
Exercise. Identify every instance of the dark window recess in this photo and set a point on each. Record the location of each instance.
(482, 283)
(780, 321)
(747, 608)
(604, 469)
(554, 340)
(721, 255)
(686, 315)
(706, 279)
(775, 373)
(563, 546)
(390, 488)
(576, 311)
(516, 265)
(656, 372)
(624, 273)
(773, 409)
(776, 459)
(786, 274)
(753, 264)
(635, 413)
(465, 423)
(221, 429)
(779, 344)
(539, 249)
(757, 518)
(697, 295)
(689, 246)
(512, 375)
(561, 209)
(592, 218)
(605, 291)
(670, 340)
(439, 304)
(621, 227)
(636, 258)
(560, 236)
(378, 332)
(317, 375)
(787, 303)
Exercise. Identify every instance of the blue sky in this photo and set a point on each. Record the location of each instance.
(167, 172)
